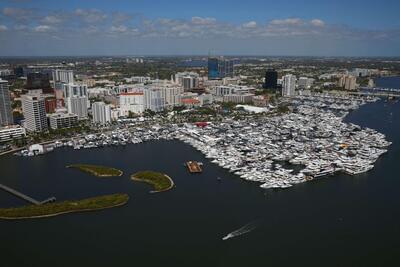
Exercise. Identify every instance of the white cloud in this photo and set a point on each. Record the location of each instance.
(43, 28)
(119, 29)
(119, 18)
(250, 24)
(3, 28)
(51, 19)
(104, 24)
(317, 23)
(203, 21)
(91, 15)
(288, 22)
(91, 29)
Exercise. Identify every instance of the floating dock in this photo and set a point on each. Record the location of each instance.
(194, 166)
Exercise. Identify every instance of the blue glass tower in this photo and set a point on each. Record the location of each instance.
(213, 72)
(219, 68)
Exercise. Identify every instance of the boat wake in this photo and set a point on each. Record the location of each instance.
(241, 231)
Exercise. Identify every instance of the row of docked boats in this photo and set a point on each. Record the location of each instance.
(278, 150)
(284, 150)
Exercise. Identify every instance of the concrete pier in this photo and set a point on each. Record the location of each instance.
(25, 197)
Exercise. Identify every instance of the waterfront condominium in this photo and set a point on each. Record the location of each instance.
(34, 110)
(78, 105)
(62, 120)
(101, 113)
(154, 99)
(6, 117)
(131, 103)
(348, 82)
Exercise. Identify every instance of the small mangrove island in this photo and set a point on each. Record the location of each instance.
(160, 181)
(99, 171)
(58, 208)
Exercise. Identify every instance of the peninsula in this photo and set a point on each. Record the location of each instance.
(99, 171)
(58, 208)
(160, 181)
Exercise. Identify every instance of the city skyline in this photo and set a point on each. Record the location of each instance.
(307, 28)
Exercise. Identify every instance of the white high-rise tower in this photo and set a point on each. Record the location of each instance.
(289, 85)
(6, 117)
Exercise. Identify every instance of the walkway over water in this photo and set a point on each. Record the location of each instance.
(377, 91)
(378, 94)
(380, 90)
(25, 197)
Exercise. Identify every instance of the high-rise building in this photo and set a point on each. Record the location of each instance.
(289, 85)
(223, 90)
(39, 81)
(51, 104)
(219, 68)
(5, 72)
(6, 117)
(271, 79)
(358, 72)
(304, 82)
(348, 82)
(78, 105)
(213, 68)
(189, 83)
(63, 76)
(188, 80)
(101, 113)
(131, 103)
(171, 95)
(34, 110)
(76, 99)
(225, 68)
(154, 99)
(19, 72)
(72, 89)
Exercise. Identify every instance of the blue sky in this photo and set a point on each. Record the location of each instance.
(120, 27)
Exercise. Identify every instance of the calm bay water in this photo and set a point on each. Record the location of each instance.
(388, 82)
(336, 221)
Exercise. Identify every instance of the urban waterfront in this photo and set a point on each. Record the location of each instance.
(351, 220)
(212, 133)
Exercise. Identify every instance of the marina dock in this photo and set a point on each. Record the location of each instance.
(194, 167)
(25, 197)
